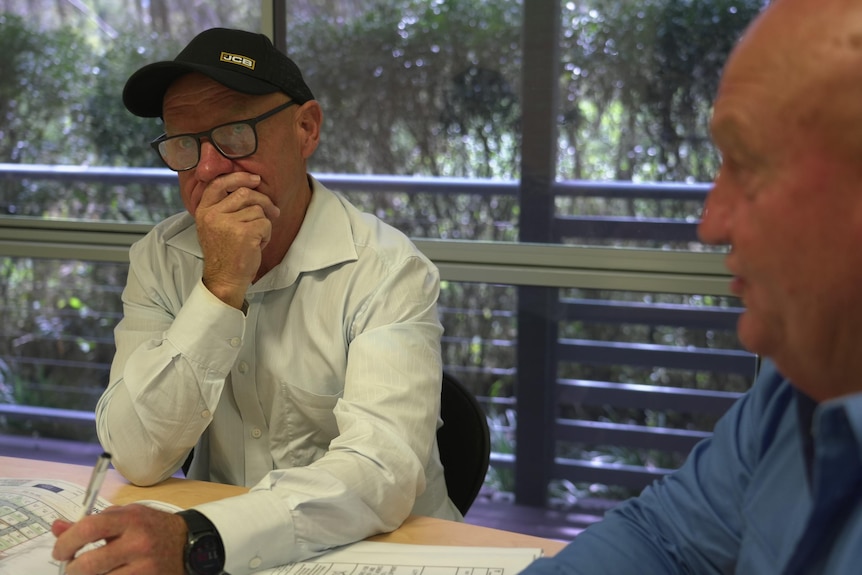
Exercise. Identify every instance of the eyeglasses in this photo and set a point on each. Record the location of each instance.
(233, 140)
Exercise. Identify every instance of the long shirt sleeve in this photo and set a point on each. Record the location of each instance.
(323, 397)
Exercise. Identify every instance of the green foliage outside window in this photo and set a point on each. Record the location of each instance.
(408, 87)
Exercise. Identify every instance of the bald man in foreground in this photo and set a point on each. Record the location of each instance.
(778, 488)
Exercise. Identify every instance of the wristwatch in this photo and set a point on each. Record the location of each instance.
(204, 550)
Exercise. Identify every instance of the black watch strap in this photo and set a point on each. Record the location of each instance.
(204, 551)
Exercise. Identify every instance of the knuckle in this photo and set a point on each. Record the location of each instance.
(88, 563)
(203, 214)
(90, 531)
(142, 547)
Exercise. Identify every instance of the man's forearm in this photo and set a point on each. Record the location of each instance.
(166, 384)
(150, 422)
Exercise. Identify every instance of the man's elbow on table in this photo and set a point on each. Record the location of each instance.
(140, 470)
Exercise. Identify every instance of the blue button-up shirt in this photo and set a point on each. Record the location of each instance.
(777, 489)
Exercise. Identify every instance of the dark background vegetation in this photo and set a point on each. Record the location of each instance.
(408, 87)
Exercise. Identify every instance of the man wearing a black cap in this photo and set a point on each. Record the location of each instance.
(291, 341)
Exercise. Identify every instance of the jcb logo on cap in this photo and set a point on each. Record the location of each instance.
(237, 59)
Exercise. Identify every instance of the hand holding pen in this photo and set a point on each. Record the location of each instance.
(92, 492)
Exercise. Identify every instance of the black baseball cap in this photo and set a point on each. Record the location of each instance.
(243, 61)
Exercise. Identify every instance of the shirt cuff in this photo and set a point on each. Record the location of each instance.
(207, 330)
(255, 531)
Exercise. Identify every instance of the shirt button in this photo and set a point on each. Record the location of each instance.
(243, 367)
(235, 342)
(254, 563)
(205, 414)
(256, 433)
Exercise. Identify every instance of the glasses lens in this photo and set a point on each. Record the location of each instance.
(235, 140)
(180, 152)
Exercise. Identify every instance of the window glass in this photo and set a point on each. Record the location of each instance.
(633, 368)
(411, 87)
(422, 127)
(56, 343)
(423, 90)
(640, 378)
(433, 89)
(64, 66)
(637, 87)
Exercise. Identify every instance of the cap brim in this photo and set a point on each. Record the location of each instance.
(145, 89)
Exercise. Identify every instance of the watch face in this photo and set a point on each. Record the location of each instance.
(205, 556)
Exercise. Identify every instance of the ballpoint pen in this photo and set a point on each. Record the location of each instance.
(92, 492)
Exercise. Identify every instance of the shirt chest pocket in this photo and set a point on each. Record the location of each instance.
(302, 425)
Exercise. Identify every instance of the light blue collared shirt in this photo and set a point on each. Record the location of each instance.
(776, 490)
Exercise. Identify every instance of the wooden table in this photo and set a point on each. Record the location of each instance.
(187, 493)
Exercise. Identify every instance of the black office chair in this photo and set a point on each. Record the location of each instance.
(464, 442)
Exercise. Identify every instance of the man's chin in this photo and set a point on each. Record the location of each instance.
(753, 334)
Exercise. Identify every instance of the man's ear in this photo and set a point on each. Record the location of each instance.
(309, 118)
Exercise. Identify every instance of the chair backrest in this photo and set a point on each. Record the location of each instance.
(464, 442)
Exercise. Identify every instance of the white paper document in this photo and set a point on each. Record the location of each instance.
(29, 506)
(374, 558)
(27, 509)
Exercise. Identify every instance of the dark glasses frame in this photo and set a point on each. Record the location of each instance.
(159, 143)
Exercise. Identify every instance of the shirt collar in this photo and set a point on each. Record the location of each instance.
(852, 406)
(812, 415)
(325, 239)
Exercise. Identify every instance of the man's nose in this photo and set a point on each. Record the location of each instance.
(212, 163)
(714, 227)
